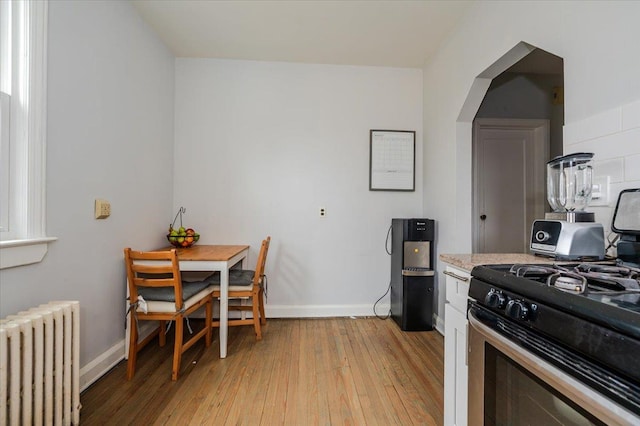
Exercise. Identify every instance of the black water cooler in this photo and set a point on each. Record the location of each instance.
(412, 274)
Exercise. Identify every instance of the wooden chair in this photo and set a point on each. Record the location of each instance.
(156, 277)
(249, 285)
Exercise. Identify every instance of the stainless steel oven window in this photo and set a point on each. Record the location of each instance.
(510, 386)
(513, 396)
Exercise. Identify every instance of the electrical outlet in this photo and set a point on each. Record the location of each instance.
(600, 191)
(102, 209)
(323, 212)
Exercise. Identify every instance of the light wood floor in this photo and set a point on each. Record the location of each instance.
(335, 371)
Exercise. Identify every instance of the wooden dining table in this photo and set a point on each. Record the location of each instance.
(204, 257)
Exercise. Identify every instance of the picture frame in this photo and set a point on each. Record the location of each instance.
(392, 160)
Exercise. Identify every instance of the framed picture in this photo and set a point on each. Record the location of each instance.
(392, 160)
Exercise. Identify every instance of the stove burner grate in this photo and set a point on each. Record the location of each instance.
(532, 271)
(582, 278)
(568, 281)
(620, 271)
(610, 277)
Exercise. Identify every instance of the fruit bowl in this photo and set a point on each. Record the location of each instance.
(183, 241)
(181, 237)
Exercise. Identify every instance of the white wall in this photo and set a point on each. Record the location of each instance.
(613, 136)
(109, 135)
(601, 69)
(261, 146)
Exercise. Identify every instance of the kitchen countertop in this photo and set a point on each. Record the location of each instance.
(468, 261)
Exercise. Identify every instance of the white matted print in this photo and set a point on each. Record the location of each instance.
(392, 160)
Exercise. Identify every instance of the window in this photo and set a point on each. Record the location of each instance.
(5, 111)
(23, 63)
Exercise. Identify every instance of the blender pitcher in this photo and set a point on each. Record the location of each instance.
(569, 232)
(569, 182)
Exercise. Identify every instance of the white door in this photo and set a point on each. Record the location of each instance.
(509, 182)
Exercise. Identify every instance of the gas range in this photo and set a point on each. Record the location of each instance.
(585, 314)
(563, 336)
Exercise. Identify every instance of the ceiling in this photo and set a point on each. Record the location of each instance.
(377, 33)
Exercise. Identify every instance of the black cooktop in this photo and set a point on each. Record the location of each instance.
(610, 306)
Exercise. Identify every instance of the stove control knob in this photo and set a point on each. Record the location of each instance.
(542, 236)
(495, 299)
(517, 309)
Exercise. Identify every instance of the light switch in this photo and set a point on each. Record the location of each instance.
(102, 208)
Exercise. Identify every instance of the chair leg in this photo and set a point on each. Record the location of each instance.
(133, 347)
(256, 317)
(162, 337)
(208, 320)
(177, 348)
(263, 318)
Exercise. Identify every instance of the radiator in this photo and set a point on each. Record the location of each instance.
(39, 366)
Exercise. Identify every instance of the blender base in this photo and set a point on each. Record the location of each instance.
(568, 241)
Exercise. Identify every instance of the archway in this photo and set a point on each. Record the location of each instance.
(522, 59)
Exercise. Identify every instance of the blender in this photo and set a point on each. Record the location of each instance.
(569, 232)
(569, 185)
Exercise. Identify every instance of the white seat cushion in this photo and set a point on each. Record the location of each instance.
(158, 306)
(162, 299)
(234, 288)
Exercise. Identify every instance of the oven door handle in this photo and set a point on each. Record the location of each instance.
(456, 276)
(598, 405)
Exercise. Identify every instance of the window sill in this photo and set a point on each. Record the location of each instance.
(23, 252)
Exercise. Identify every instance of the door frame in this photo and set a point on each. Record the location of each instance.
(541, 136)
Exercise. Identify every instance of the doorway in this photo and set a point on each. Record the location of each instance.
(509, 157)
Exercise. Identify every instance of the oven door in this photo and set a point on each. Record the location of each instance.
(508, 385)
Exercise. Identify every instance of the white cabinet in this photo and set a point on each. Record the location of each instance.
(455, 346)
(455, 367)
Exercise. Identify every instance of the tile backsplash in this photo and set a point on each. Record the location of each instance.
(614, 137)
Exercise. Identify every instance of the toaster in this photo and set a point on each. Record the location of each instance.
(564, 240)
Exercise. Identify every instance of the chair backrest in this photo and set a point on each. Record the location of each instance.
(262, 260)
(153, 269)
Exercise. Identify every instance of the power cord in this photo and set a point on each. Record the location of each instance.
(386, 248)
(612, 243)
(386, 242)
(377, 301)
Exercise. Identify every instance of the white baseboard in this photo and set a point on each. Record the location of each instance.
(316, 311)
(439, 325)
(105, 362)
(101, 365)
